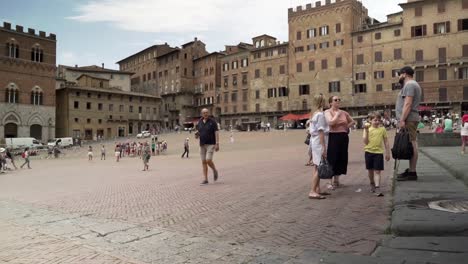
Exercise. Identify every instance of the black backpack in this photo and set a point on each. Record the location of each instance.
(402, 146)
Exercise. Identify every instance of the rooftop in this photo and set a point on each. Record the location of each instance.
(94, 68)
(143, 51)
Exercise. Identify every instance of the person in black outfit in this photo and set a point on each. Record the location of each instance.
(207, 131)
(186, 147)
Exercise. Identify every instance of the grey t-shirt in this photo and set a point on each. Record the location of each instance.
(413, 89)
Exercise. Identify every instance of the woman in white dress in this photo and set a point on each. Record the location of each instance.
(319, 130)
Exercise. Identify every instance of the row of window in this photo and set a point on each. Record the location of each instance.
(245, 80)
(234, 109)
(100, 107)
(204, 87)
(205, 101)
(322, 31)
(269, 71)
(418, 10)
(235, 64)
(270, 53)
(419, 55)
(12, 50)
(109, 97)
(245, 95)
(322, 45)
(12, 95)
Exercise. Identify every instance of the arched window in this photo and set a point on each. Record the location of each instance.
(37, 96)
(12, 94)
(37, 54)
(262, 43)
(12, 49)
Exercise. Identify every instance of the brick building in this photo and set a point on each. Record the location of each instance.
(234, 101)
(269, 84)
(27, 83)
(354, 56)
(95, 102)
(175, 80)
(143, 65)
(207, 82)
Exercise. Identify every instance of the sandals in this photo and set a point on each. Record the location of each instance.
(325, 193)
(309, 164)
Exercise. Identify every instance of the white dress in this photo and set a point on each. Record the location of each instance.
(318, 123)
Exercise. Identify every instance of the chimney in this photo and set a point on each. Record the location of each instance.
(7, 25)
(31, 31)
(76, 65)
(19, 28)
(102, 65)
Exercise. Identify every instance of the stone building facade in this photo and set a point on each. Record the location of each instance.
(143, 65)
(234, 99)
(207, 82)
(321, 51)
(27, 83)
(175, 80)
(269, 84)
(356, 57)
(94, 102)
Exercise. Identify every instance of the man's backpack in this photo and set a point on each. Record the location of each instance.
(23, 155)
(402, 146)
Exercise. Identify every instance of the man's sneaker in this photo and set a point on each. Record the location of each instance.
(407, 176)
(215, 175)
(204, 183)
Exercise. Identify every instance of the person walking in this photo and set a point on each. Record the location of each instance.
(146, 155)
(186, 148)
(117, 152)
(11, 157)
(407, 112)
(103, 152)
(90, 153)
(319, 131)
(338, 143)
(207, 132)
(374, 136)
(464, 132)
(25, 156)
(153, 147)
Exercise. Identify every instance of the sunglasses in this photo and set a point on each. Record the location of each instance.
(337, 100)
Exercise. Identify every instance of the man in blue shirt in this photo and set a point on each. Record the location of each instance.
(207, 132)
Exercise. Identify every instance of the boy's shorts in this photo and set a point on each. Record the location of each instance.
(374, 161)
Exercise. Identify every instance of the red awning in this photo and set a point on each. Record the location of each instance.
(304, 116)
(425, 108)
(289, 117)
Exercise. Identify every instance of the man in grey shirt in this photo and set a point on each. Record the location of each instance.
(407, 113)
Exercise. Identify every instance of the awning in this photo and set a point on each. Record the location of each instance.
(424, 108)
(304, 116)
(289, 117)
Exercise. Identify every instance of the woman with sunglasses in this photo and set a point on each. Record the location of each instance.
(337, 155)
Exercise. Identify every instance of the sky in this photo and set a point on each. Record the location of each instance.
(91, 32)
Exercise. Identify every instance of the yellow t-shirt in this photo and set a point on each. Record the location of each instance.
(376, 140)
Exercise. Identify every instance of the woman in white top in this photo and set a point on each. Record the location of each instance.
(464, 132)
(318, 142)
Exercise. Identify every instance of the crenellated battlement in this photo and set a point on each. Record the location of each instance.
(317, 6)
(31, 31)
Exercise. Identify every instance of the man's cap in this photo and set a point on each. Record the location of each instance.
(408, 70)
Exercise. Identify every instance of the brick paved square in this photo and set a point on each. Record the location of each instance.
(260, 199)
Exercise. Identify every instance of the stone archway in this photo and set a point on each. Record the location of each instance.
(11, 130)
(35, 131)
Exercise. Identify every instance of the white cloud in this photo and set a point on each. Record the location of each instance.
(216, 22)
(219, 21)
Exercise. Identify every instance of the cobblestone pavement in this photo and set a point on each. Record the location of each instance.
(260, 202)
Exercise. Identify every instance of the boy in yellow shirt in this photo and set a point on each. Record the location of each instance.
(374, 137)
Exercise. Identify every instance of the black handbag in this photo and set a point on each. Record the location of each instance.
(307, 140)
(325, 170)
(402, 147)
